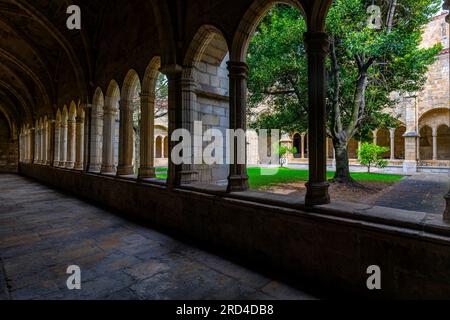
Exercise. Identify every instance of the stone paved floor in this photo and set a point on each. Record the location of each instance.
(43, 231)
(421, 192)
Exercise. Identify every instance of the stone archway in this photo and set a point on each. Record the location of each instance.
(297, 143)
(111, 122)
(443, 143)
(384, 140)
(399, 143)
(426, 143)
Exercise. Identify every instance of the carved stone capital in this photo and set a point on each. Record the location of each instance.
(237, 69)
(317, 43)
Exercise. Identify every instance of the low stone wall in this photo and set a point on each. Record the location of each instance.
(328, 248)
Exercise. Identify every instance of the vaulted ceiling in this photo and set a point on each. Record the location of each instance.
(44, 65)
(34, 43)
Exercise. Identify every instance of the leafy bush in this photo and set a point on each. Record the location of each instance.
(370, 155)
(283, 152)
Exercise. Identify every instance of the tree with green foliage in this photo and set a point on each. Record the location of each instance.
(365, 66)
(283, 152)
(371, 155)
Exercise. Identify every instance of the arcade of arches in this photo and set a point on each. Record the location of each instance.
(80, 111)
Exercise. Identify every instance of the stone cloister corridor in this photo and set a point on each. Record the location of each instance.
(43, 230)
(91, 123)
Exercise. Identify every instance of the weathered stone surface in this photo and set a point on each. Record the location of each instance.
(42, 232)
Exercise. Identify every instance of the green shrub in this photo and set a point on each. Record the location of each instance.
(370, 155)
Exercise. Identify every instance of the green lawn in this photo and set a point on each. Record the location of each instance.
(285, 175)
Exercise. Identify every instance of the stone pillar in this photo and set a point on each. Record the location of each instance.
(44, 145)
(238, 74)
(32, 145)
(392, 135)
(174, 75)
(411, 138)
(375, 137)
(79, 153)
(50, 142)
(63, 145)
(71, 143)
(189, 174)
(96, 135)
(39, 146)
(56, 155)
(435, 150)
(109, 127)
(447, 197)
(317, 46)
(125, 166)
(303, 145)
(147, 136)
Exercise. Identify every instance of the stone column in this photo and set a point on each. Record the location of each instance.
(95, 123)
(44, 145)
(63, 145)
(38, 145)
(147, 136)
(50, 142)
(238, 74)
(56, 155)
(411, 138)
(125, 166)
(435, 150)
(71, 143)
(392, 135)
(447, 197)
(190, 174)
(317, 46)
(174, 75)
(32, 145)
(303, 145)
(79, 153)
(109, 127)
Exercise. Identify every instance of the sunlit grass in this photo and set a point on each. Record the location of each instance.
(286, 175)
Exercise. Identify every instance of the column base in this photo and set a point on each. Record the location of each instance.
(238, 183)
(147, 173)
(96, 168)
(107, 169)
(79, 166)
(447, 209)
(189, 176)
(70, 165)
(409, 166)
(317, 194)
(125, 171)
(62, 164)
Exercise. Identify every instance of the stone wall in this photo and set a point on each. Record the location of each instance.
(9, 155)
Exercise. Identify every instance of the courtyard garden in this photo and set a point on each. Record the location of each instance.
(368, 189)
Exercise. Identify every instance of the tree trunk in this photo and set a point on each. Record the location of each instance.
(342, 163)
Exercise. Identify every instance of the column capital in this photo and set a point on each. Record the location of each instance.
(147, 97)
(434, 131)
(188, 84)
(126, 105)
(171, 69)
(317, 43)
(109, 111)
(237, 69)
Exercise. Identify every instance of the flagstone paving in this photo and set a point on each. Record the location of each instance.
(43, 231)
(421, 192)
